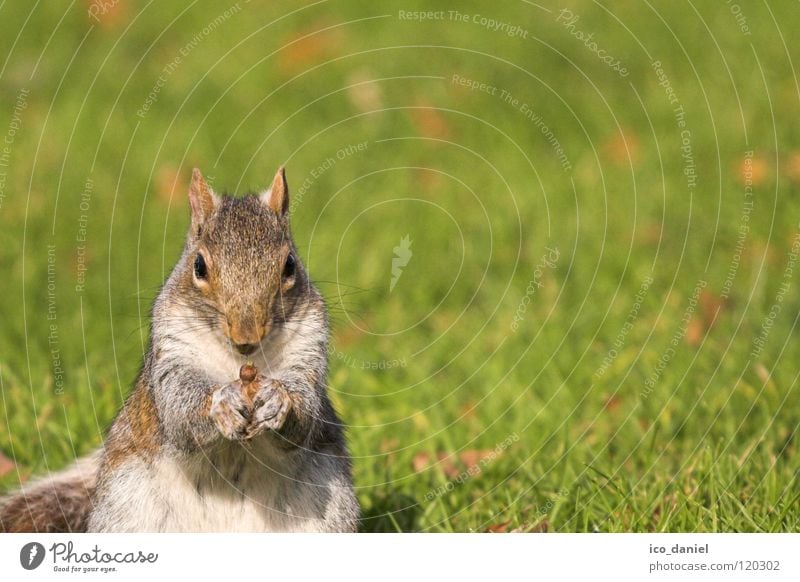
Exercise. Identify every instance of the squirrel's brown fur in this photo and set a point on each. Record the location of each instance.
(58, 504)
(190, 451)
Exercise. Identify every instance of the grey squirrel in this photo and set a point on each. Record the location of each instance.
(203, 443)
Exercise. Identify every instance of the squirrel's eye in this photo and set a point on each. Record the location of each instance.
(200, 270)
(288, 267)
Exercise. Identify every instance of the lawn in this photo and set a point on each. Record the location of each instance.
(559, 244)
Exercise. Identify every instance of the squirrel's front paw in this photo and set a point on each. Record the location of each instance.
(271, 406)
(230, 411)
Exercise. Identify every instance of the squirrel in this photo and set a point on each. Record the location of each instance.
(229, 426)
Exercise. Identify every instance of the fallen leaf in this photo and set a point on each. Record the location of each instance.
(309, 46)
(499, 527)
(649, 233)
(451, 465)
(711, 307)
(6, 465)
(468, 409)
(167, 183)
(447, 465)
(428, 179)
(694, 332)
(622, 148)
(420, 462)
(364, 93)
(107, 14)
(758, 251)
(753, 171)
(429, 121)
(612, 402)
(472, 457)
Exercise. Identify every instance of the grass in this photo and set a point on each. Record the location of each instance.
(482, 392)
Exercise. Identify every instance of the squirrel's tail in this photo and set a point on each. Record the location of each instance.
(59, 503)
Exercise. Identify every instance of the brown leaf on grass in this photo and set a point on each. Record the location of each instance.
(712, 306)
(759, 251)
(453, 465)
(447, 465)
(107, 14)
(468, 410)
(472, 457)
(649, 233)
(622, 147)
(428, 179)
(501, 527)
(612, 402)
(429, 121)
(694, 332)
(420, 462)
(753, 171)
(6, 465)
(309, 46)
(168, 185)
(364, 94)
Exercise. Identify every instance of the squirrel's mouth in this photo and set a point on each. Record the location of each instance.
(245, 349)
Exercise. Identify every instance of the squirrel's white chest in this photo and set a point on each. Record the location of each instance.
(237, 495)
(236, 499)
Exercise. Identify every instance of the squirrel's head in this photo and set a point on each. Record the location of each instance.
(240, 265)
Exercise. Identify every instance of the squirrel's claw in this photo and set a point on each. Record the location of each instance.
(271, 406)
(230, 411)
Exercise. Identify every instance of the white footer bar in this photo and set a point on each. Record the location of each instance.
(351, 558)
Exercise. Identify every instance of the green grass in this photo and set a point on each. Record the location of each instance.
(481, 192)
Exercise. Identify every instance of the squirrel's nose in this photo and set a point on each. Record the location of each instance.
(246, 336)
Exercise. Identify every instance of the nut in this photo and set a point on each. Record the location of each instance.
(248, 373)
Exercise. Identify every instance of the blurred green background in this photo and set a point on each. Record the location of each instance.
(593, 329)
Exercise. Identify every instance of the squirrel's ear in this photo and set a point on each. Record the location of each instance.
(277, 197)
(201, 199)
